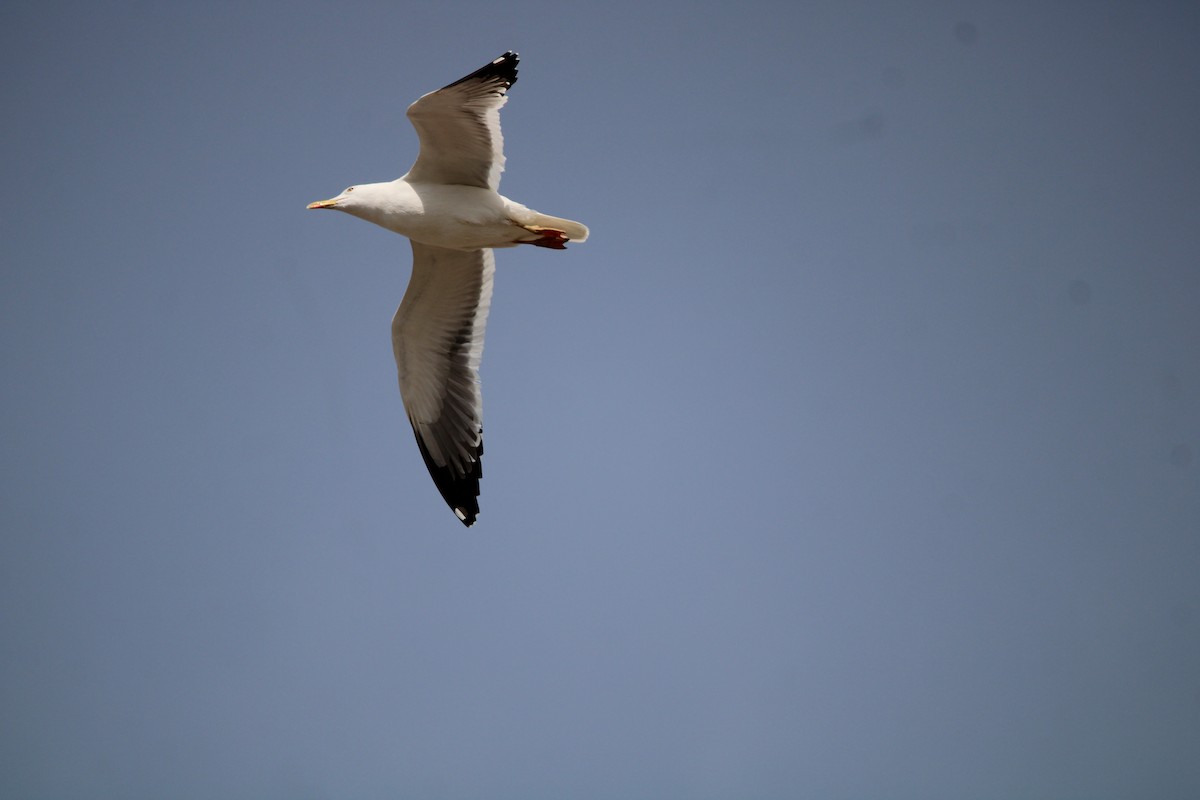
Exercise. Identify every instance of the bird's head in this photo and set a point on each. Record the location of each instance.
(369, 201)
(343, 202)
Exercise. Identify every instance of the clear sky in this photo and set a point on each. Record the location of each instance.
(856, 454)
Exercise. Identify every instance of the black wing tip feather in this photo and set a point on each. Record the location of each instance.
(503, 68)
(461, 494)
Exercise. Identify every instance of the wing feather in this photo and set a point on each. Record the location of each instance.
(459, 128)
(437, 338)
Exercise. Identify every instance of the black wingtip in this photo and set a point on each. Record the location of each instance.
(460, 493)
(503, 69)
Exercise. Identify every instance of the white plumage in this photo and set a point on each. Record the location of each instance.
(448, 206)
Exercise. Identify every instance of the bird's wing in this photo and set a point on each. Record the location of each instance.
(459, 128)
(437, 336)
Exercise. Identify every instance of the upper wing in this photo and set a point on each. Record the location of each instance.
(437, 336)
(459, 128)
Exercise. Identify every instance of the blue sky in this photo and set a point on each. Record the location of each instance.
(855, 455)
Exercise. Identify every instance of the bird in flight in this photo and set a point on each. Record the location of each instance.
(448, 207)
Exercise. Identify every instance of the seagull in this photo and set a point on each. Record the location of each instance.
(448, 207)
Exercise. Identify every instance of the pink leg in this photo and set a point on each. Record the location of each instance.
(548, 237)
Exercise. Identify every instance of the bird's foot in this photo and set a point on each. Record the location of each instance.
(547, 237)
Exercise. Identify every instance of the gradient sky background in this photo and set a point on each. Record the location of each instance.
(856, 455)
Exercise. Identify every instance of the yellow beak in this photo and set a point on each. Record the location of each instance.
(323, 204)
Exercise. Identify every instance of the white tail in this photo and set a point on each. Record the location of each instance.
(575, 231)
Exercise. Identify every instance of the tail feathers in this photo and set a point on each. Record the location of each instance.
(575, 231)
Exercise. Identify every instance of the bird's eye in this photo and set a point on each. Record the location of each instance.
(351, 189)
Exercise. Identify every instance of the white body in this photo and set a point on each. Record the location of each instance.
(454, 217)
